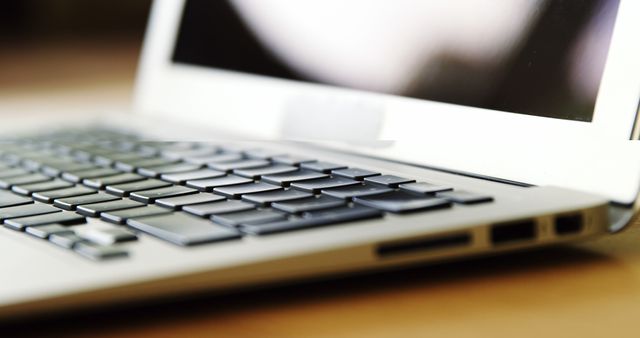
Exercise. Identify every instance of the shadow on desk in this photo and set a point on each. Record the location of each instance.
(409, 299)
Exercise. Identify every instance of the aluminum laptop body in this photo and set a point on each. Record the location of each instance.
(412, 89)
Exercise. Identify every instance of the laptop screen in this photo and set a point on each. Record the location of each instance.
(535, 57)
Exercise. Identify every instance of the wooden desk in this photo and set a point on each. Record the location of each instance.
(586, 290)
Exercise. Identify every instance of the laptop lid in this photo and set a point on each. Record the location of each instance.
(542, 92)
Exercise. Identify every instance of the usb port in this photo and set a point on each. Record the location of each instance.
(513, 232)
(569, 224)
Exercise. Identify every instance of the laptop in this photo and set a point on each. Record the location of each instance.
(273, 141)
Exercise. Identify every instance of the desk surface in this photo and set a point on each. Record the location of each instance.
(590, 289)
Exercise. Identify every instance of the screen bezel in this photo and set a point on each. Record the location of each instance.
(229, 101)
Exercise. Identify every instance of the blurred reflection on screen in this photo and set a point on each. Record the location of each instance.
(538, 57)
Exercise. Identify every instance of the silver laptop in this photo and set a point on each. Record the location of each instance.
(273, 140)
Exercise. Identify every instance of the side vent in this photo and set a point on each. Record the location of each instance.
(513, 232)
(424, 245)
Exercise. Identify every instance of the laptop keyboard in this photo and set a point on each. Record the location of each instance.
(188, 193)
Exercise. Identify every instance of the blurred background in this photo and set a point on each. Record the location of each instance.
(47, 46)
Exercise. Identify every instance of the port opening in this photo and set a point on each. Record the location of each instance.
(424, 245)
(569, 224)
(513, 232)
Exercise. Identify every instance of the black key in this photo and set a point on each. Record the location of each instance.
(322, 167)
(94, 210)
(65, 240)
(99, 252)
(464, 197)
(55, 170)
(399, 202)
(62, 217)
(182, 229)
(6, 183)
(236, 191)
(131, 166)
(26, 210)
(262, 154)
(256, 173)
(168, 169)
(390, 181)
(219, 158)
(356, 191)
(313, 219)
(216, 208)
(422, 188)
(125, 189)
(292, 160)
(78, 176)
(266, 198)
(29, 189)
(315, 186)
(249, 217)
(296, 176)
(47, 230)
(236, 165)
(109, 236)
(210, 183)
(177, 203)
(149, 196)
(49, 196)
(121, 216)
(70, 203)
(309, 204)
(8, 199)
(355, 173)
(181, 178)
(101, 182)
(11, 172)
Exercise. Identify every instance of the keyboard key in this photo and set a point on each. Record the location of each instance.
(8, 199)
(313, 219)
(78, 176)
(94, 210)
(49, 196)
(47, 230)
(183, 177)
(249, 217)
(70, 203)
(149, 196)
(423, 188)
(262, 154)
(266, 198)
(287, 178)
(219, 158)
(210, 183)
(309, 204)
(6, 183)
(315, 186)
(11, 172)
(399, 202)
(101, 182)
(65, 240)
(236, 191)
(355, 173)
(256, 173)
(55, 170)
(108, 160)
(131, 166)
(177, 154)
(216, 208)
(177, 203)
(62, 217)
(292, 160)
(99, 252)
(168, 169)
(182, 229)
(121, 216)
(236, 165)
(29, 189)
(322, 167)
(464, 197)
(125, 189)
(390, 181)
(109, 236)
(26, 210)
(356, 191)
